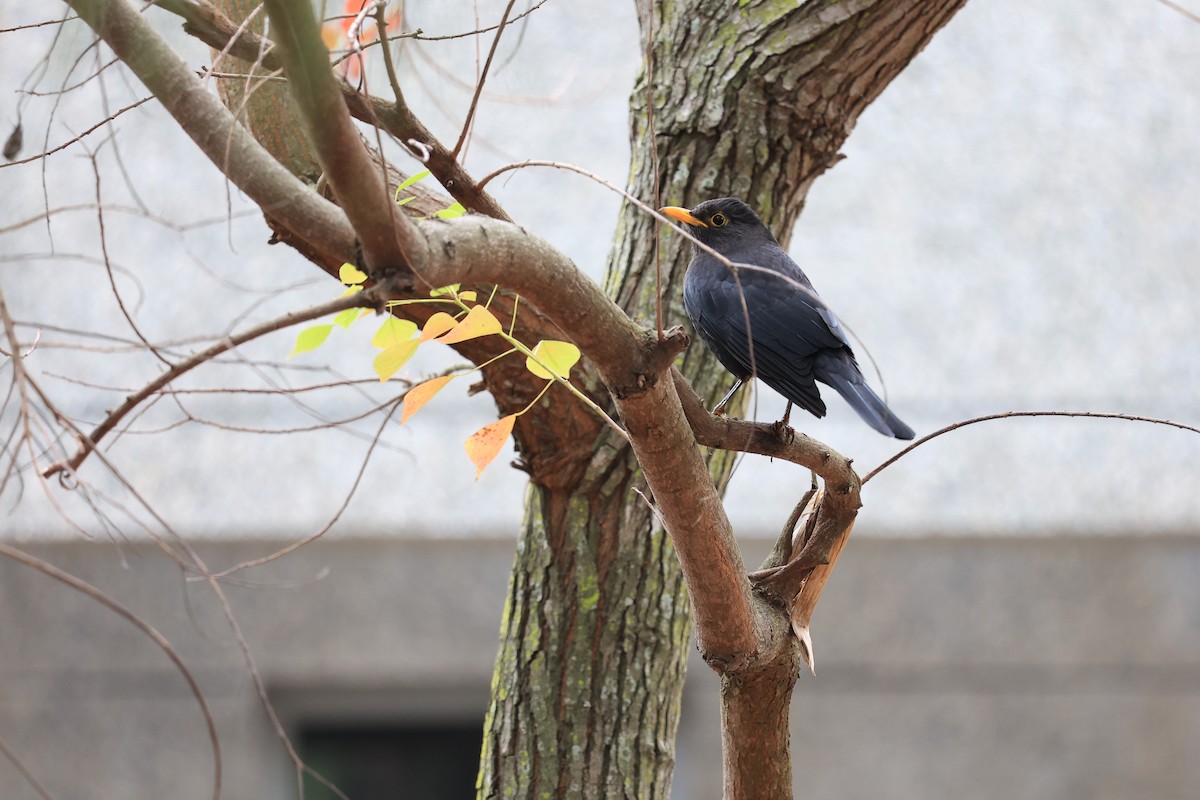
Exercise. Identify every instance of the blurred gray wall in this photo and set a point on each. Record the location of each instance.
(946, 667)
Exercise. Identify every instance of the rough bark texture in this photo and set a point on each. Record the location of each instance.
(752, 101)
(265, 107)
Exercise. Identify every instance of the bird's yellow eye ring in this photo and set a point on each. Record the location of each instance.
(719, 220)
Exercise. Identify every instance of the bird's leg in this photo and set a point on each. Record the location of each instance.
(719, 409)
(782, 429)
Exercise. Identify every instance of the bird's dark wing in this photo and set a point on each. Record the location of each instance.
(788, 323)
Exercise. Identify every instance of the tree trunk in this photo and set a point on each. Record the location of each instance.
(752, 101)
(585, 697)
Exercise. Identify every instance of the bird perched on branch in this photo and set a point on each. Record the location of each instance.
(763, 318)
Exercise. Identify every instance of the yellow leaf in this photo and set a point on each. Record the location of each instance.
(392, 332)
(346, 318)
(393, 358)
(350, 274)
(436, 325)
(468, 296)
(557, 358)
(419, 395)
(310, 339)
(485, 444)
(478, 322)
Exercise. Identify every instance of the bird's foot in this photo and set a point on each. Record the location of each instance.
(784, 432)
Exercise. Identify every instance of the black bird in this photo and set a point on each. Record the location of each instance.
(770, 309)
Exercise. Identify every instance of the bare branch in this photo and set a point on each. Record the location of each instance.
(364, 299)
(81, 136)
(1015, 414)
(282, 196)
(29, 777)
(91, 591)
(387, 239)
(204, 22)
(1193, 16)
(487, 65)
(420, 35)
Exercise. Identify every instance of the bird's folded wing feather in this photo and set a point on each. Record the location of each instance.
(788, 324)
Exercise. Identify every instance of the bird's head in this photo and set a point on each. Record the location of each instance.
(723, 224)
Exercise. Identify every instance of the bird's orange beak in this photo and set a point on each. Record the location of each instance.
(683, 215)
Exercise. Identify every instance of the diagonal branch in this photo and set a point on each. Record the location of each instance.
(388, 239)
(635, 367)
(365, 299)
(487, 65)
(232, 148)
(207, 24)
(103, 599)
(766, 439)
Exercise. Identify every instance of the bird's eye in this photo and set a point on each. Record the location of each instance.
(719, 220)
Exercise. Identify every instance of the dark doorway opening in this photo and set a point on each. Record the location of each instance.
(392, 762)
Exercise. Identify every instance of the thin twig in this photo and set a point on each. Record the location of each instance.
(312, 537)
(363, 299)
(1015, 414)
(419, 35)
(92, 129)
(29, 777)
(108, 268)
(1189, 14)
(650, 130)
(91, 591)
(58, 22)
(462, 137)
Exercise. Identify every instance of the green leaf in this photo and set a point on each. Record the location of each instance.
(413, 179)
(389, 362)
(393, 331)
(310, 339)
(403, 201)
(451, 289)
(346, 318)
(351, 275)
(556, 359)
(453, 210)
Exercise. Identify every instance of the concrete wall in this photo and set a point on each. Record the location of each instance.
(947, 668)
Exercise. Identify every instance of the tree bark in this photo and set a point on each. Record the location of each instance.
(752, 101)
(755, 103)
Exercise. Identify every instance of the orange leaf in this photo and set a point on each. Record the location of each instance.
(436, 325)
(485, 444)
(478, 322)
(421, 394)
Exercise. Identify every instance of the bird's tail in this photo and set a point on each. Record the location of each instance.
(839, 371)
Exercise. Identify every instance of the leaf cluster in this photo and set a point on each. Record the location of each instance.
(398, 339)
